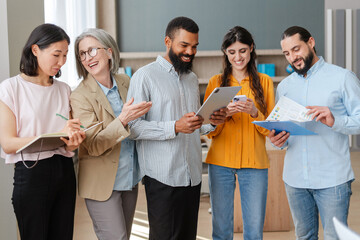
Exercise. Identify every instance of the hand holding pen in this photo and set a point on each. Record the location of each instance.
(72, 125)
(77, 121)
(59, 115)
(74, 131)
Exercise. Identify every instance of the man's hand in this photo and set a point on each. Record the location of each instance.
(219, 116)
(322, 114)
(279, 139)
(188, 123)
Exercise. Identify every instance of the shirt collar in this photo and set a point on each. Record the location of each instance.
(107, 90)
(315, 67)
(165, 63)
(236, 82)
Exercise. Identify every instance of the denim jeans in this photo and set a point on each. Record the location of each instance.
(253, 192)
(307, 204)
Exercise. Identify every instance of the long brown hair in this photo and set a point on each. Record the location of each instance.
(240, 34)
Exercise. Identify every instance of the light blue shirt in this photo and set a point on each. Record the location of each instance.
(174, 160)
(323, 160)
(128, 173)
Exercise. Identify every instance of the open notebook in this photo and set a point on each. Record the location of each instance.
(50, 141)
(47, 142)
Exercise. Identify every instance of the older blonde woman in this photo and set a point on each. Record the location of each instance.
(108, 167)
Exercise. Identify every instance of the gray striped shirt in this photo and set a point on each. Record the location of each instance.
(174, 160)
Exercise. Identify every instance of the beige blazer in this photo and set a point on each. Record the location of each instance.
(100, 151)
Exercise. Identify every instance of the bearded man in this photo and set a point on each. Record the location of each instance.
(168, 136)
(317, 168)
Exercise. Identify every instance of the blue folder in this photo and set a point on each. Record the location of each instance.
(287, 126)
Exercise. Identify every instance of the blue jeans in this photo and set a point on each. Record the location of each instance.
(307, 204)
(253, 192)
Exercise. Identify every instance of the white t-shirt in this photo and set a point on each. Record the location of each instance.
(35, 108)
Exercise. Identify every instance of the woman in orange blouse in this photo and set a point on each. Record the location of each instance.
(238, 146)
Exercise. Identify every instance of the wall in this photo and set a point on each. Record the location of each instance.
(141, 23)
(331, 51)
(343, 4)
(106, 15)
(4, 50)
(17, 19)
(7, 218)
(22, 15)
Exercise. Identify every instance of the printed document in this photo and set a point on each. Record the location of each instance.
(287, 116)
(289, 110)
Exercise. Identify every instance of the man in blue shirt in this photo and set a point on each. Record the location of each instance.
(317, 168)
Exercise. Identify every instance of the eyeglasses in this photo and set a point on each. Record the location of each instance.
(92, 53)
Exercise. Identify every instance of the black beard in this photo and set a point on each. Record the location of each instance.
(307, 64)
(179, 65)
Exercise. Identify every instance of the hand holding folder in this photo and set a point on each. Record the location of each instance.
(286, 116)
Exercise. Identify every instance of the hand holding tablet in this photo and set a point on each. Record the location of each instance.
(219, 98)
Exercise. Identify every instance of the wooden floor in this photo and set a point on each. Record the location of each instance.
(84, 230)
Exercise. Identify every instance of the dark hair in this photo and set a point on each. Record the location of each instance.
(181, 23)
(291, 31)
(43, 36)
(240, 34)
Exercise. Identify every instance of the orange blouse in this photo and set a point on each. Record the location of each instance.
(238, 143)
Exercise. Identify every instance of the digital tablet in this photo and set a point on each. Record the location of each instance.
(219, 98)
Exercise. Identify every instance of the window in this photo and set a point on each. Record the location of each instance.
(74, 17)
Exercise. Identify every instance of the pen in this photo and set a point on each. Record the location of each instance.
(66, 119)
(93, 126)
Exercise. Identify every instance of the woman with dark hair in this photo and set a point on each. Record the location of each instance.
(108, 167)
(238, 146)
(44, 182)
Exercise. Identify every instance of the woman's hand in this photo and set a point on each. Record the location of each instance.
(232, 109)
(74, 141)
(132, 111)
(72, 125)
(247, 106)
(76, 135)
